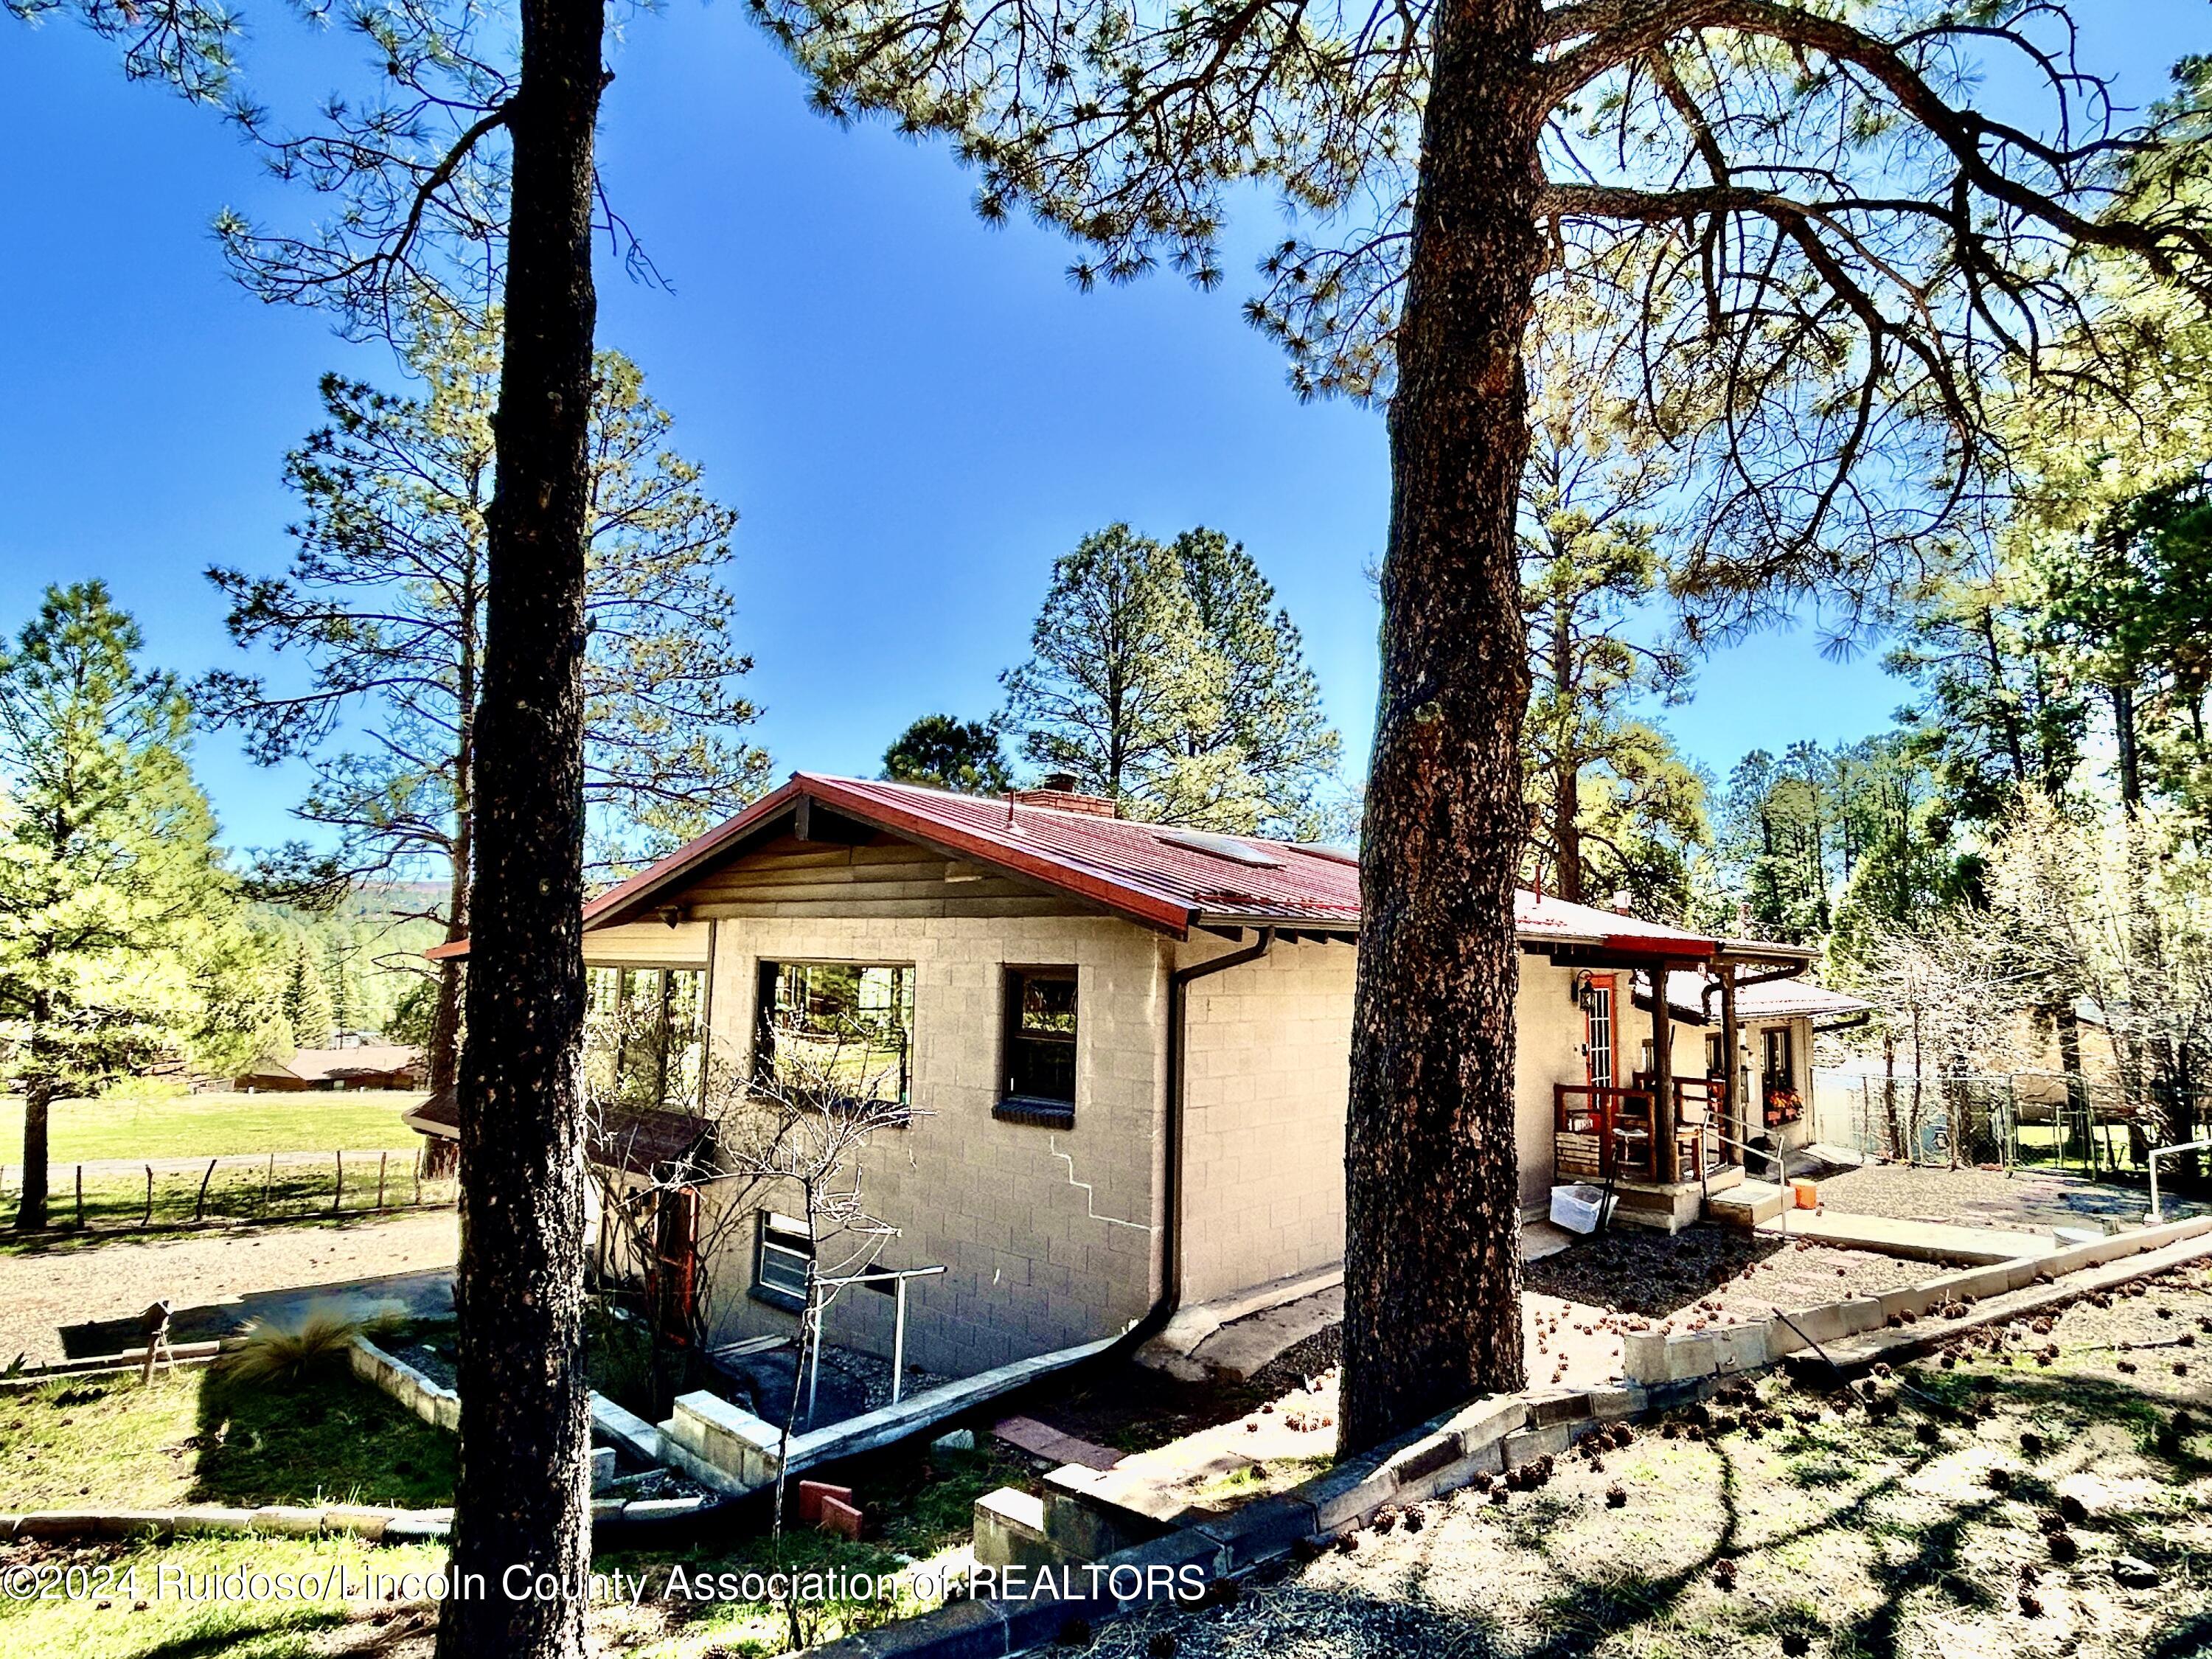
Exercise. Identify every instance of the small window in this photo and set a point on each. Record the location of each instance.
(844, 1025)
(1781, 1062)
(779, 1266)
(1040, 1067)
(1716, 1056)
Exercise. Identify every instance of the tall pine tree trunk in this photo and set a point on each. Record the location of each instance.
(1432, 1266)
(1566, 791)
(520, 1501)
(37, 1105)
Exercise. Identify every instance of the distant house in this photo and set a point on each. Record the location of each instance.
(1128, 1048)
(362, 1066)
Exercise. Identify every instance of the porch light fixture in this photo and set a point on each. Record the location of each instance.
(1581, 993)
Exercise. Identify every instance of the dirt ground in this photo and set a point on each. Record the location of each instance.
(2050, 1497)
(47, 1300)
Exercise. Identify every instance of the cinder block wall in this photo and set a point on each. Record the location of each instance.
(1268, 1074)
(1049, 1235)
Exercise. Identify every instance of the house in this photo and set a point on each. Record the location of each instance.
(1777, 1019)
(1125, 1047)
(355, 1066)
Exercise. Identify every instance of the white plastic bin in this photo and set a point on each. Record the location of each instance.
(1579, 1207)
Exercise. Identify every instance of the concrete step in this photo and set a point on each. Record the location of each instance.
(1747, 1203)
(1010, 1531)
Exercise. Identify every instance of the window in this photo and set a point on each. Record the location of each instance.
(1781, 1062)
(1040, 1062)
(842, 1026)
(785, 1251)
(646, 1038)
(1716, 1055)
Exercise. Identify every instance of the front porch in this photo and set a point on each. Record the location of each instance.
(1616, 1137)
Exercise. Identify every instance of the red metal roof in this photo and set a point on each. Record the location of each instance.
(1142, 870)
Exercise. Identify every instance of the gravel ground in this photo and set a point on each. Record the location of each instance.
(43, 1296)
(1984, 1198)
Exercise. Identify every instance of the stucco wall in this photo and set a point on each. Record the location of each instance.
(1036, 1260)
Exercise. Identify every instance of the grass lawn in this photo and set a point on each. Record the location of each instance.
(215, 1126)
(191, 1436)
(151, 1625)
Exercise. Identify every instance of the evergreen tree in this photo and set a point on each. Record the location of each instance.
(1999, 712)
(1617, 810)
(1263, 767)
(945, 753)
(308, 1008)
(1118, 672)
(1167, 678)
(385, 599)
(110, 883)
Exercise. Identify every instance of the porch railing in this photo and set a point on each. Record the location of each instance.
(1601, 1130)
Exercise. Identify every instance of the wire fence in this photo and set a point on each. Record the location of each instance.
(107, 1196)
(2018, 1121)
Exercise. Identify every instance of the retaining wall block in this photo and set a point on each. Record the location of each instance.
(288, 1519)
(960, 1630)
(2019, 1275)
(649, 1508)
(1187, 1548)
(1261, 1529)
(1410, 1465)
(214, 1518)
(449, 1413)
(1740, 1347)
(1861, 1313)
(1914, 1299)
(1345, 1494)
(1038, 1621)
(1781, 1339)
(1608, 1404)
(1486, 1459)
(606, 1507)
(360, 1520)
(405, 1530)
(1689, 1357)
(1527, 1445)
(1644, 1356)
(1559, 1405)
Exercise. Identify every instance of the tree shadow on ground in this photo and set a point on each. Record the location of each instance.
(327, 1436)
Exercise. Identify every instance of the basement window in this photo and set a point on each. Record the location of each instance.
(781, 1257)
(1040, 1046)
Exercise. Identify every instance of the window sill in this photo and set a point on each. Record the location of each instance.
(1045, 1114)
(783, 1301)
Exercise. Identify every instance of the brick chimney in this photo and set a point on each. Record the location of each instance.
(1057, 790)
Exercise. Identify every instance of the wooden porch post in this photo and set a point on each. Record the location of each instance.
(1669, 1160)
(1732, 1103)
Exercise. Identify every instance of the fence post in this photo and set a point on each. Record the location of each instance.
(147, 1220)
(199, 1204)
(80, 1198)
(418, 1175)
(382, 1158)
(269, 1185)
(337, 1191)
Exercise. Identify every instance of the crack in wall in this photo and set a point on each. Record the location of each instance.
(1091, 1197)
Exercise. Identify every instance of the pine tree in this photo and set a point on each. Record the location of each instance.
(1167, 678)
(109, 881)
(385, 600)
(308, 1008)
(946, 753)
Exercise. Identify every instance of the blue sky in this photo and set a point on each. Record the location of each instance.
(913, 412)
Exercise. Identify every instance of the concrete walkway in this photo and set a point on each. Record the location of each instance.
(1917, 1240)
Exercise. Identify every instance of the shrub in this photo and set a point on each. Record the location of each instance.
(285, 1356)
